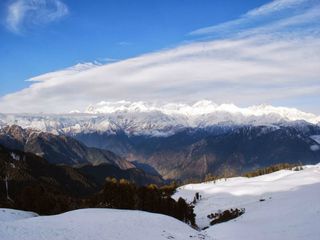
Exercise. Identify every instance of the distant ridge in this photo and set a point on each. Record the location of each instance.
(141, 118)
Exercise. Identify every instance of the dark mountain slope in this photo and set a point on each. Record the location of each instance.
(246, 149)
(99, 173)
(58, 149)
(195, 153)
(31, 183)
(23, 169)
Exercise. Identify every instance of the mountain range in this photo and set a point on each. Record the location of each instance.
(140, 118)
(179, 141)
(196, 153)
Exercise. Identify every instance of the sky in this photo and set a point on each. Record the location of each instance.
(61, 55)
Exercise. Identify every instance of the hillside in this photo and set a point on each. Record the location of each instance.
(280, 205)
(57, 149)
(34, 184)
(195, 153)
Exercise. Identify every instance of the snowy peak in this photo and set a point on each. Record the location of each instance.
(155, 119)
(204, 107)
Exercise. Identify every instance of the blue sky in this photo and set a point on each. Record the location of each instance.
(103, 29)
(244, 52)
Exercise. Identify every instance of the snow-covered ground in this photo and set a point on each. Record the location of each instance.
(7, 215)
(291, 209)
(95, 224)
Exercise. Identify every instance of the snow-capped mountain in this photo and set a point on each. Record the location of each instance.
(141, 118)
(188, 141)
(220, 113)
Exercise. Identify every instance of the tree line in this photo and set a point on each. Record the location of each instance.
(273, 168)
(120, 194)
(123, 194)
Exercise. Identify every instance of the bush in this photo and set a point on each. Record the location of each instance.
(225, 216)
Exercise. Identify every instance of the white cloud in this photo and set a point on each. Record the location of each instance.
(28, 13)
(276, 6)
(266, 64)
(271, 13)
(109, 59)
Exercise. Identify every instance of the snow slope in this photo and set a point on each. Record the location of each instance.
(98, 224)
(13, 215)
(291, 209)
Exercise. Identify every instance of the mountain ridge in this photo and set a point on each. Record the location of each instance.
(57, 149)
(183, 146)
(195, 153)
(141, 118)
